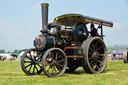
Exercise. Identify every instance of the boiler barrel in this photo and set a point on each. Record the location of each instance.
(45, 42)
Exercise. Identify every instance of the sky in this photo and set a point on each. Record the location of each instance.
(20, 20)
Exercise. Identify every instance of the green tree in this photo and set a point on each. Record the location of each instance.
(15, 51)
(2, 51)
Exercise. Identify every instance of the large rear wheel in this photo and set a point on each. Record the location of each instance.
(95, 55)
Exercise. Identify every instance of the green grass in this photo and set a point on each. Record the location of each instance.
(116, 73)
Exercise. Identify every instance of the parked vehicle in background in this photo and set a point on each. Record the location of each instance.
(1, 58)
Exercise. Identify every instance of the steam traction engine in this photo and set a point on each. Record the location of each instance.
(66, 44)
(125, 56)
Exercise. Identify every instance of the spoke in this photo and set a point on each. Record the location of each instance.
(28, 65)
(92, 63)
(93, 47)
(101, 63)
(59, 57)
(96, 43)
(101, 54)
(89, 53)
(98, 67)
(60, 61)
(33, 69)
(103, 58)
(56, 56)
(36, 69)
(53, 69)
(91, 57)
(48, 69)
(28, 57)
(30, 68)
(98, 61)
(99, 47)
(27, 61)
(49, 64)
(39, 65)
(34, 58)
(60, 65)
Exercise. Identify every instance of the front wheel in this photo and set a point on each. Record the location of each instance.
(54, 62)
(31, 62)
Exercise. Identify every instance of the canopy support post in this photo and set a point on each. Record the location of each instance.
(101, 31)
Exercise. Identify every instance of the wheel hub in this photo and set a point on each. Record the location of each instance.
(34, 62)
(54, 62)
(95, 55)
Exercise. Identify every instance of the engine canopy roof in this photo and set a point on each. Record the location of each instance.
(71, 19)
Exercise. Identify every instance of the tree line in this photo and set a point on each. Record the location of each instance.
(15, 51)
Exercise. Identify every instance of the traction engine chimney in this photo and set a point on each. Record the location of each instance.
(44, 8)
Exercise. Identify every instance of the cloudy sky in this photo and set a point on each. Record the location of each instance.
(20, 20)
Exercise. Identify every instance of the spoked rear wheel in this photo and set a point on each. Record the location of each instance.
(31, 62)
(54, 62)
(95, 55)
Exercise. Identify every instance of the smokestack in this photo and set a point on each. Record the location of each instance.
(44, 7)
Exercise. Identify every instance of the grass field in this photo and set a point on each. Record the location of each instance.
(116, 73)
